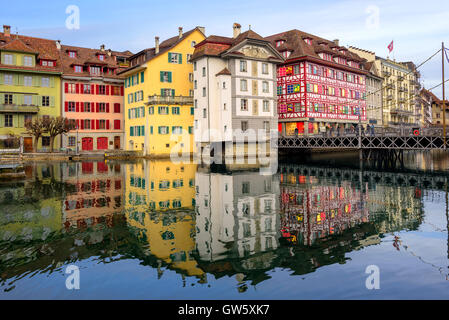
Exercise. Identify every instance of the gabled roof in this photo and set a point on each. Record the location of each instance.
(45, 49)
(218, 45)
(87, 56)
(150, 53)
(225, 72)
(295, 42)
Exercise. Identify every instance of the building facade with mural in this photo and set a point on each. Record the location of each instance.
(30, 85)
(93, 97)
(159, 96)
(320, 85)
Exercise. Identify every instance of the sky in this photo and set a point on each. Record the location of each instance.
(417, 27)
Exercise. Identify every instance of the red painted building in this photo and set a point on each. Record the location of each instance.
(320, 85)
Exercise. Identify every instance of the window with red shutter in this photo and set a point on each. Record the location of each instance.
(92, 125)
(77, 107)
(107, 107)
(92, 89)
(117, 108)
(66, 86)
(82, 106)
(82, 124)
(98, 89)
(98, 107)
(92, 106)
(66, 106)
(107, 124)
(77, 124)
(122, 93)
(98, 124)
(77, 88)
(116, 124)
(107, 90)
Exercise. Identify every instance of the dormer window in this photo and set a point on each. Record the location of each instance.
(286, 53)
(308, 41)
(47, 63)
(72, 54)
(279, 43)
(101, 57)
(78, 69)
(95, 71)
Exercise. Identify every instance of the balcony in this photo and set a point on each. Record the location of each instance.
(401, 100)
(176, 100)
(12, 108)
(390, 86)
(400, 78)
(386, 74)
(390, 97)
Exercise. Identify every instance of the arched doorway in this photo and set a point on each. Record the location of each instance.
(88, 144)
(102, 143)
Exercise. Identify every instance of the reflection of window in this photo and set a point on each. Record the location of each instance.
(246, 230)
(245, 209)
(268, 225)
(245, 187)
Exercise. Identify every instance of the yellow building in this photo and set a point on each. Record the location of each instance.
(159, 205)
(30, 85)
(159, 107)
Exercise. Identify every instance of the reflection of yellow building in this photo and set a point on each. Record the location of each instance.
(160, 198)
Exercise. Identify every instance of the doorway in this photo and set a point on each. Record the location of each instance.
(116, 143)
(28, 145)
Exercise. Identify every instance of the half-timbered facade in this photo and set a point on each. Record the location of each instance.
(320, 85)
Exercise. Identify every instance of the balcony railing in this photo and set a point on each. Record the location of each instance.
(176, 100)
(390, 97)
(386, 73)
(390, 86)
(13, 108)
(400, 78)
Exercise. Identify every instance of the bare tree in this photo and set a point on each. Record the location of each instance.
(58, 126)
(36, 128)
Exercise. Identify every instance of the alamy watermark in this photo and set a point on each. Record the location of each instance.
(73, 20)
(73, 280)
(373, 19)
(373, 280)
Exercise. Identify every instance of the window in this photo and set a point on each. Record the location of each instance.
(151, 110)
(204, 91)
(175, 110)
(244, 126)
(224, 106)
(166, 76)
(45, 82)
(190, 77)
(245, 187)
(266, 126)
(286, 54)
(8, 59)
(86, 124)
(8, 120)
(102, 107)
(72, 141)
(28, 61)
(45, 101)
(117, 108)
(243, 85)
(72, 54)
(177, 130)
(194, 66)
(175, 58)
(266, 106)
(28, 118)
(204, 113)
(102, 124)
(265, 87)
(163, 110)
(101, 89)
(224, 85)
(116, 91)
(27, 81)
(86, 88)
(167, 92)
(244, 105)
(95, 71)
(204, 71)
(243, 66)
(8, 79)
(78, 69)
(189, 56)
(8, 98)
(264, 68)
(101, 57)
(164, 130)
(87, 107)
(45, 141)
(71, 107)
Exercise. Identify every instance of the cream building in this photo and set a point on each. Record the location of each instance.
(400, 91)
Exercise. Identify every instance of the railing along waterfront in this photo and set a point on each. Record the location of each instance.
(169, 100)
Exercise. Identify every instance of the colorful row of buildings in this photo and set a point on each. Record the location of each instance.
(191, 91)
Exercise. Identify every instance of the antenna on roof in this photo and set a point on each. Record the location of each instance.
(17, 33)
(249, 27)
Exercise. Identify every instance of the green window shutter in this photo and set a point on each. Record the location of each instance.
(169, 57)
(162, 92)
(16, 80)
(36, 81)
(179, 58)
(15, 120)
(143, 130)
(159, 130)
(2, 77)
(131, 131)
(35, 100)
(142, 77)
(173, 92)
(129, 113)
(14, 59)
(52, 101)
(151, 129)
(2, 98)
(52, 82)
(20, 80)
(135, 96)
(21, 121)
(143, 111)
(162, 76)
(3, 58)
(169, 77)
(15, 99)
(2, 119)
(137, 78)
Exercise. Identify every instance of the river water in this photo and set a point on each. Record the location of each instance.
(159, 230)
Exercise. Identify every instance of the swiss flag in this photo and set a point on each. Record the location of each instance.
(390, 47)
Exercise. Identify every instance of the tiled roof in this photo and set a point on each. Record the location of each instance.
(295, 42)
(44, 48)
(150, 53)
(225, 72)
(87, 56)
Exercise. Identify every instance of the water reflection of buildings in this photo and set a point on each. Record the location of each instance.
(97, 193)
(312, 210)
(160, 199)
(236, 219)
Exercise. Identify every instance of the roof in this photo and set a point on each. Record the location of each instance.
(150, 53)
(225, 72)
(87, 56)
(45, 49)
(218, 45)
(295, 42)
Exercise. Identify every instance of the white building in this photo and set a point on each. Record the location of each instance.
(234, 89)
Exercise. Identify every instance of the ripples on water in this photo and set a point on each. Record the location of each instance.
(157, 230)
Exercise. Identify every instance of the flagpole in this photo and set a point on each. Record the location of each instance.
(444, 103)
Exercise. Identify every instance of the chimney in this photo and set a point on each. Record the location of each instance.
(58, 44)
(237, 29)
(156, 47)
(202, 29)
(7, 30)
(109, 52)
(180, 32)
(102, 47)
(337, 42)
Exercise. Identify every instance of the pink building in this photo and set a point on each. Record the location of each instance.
(92, 97)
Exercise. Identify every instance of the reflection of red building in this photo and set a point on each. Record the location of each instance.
(320, 83)
(311, 211)
(97, 195)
